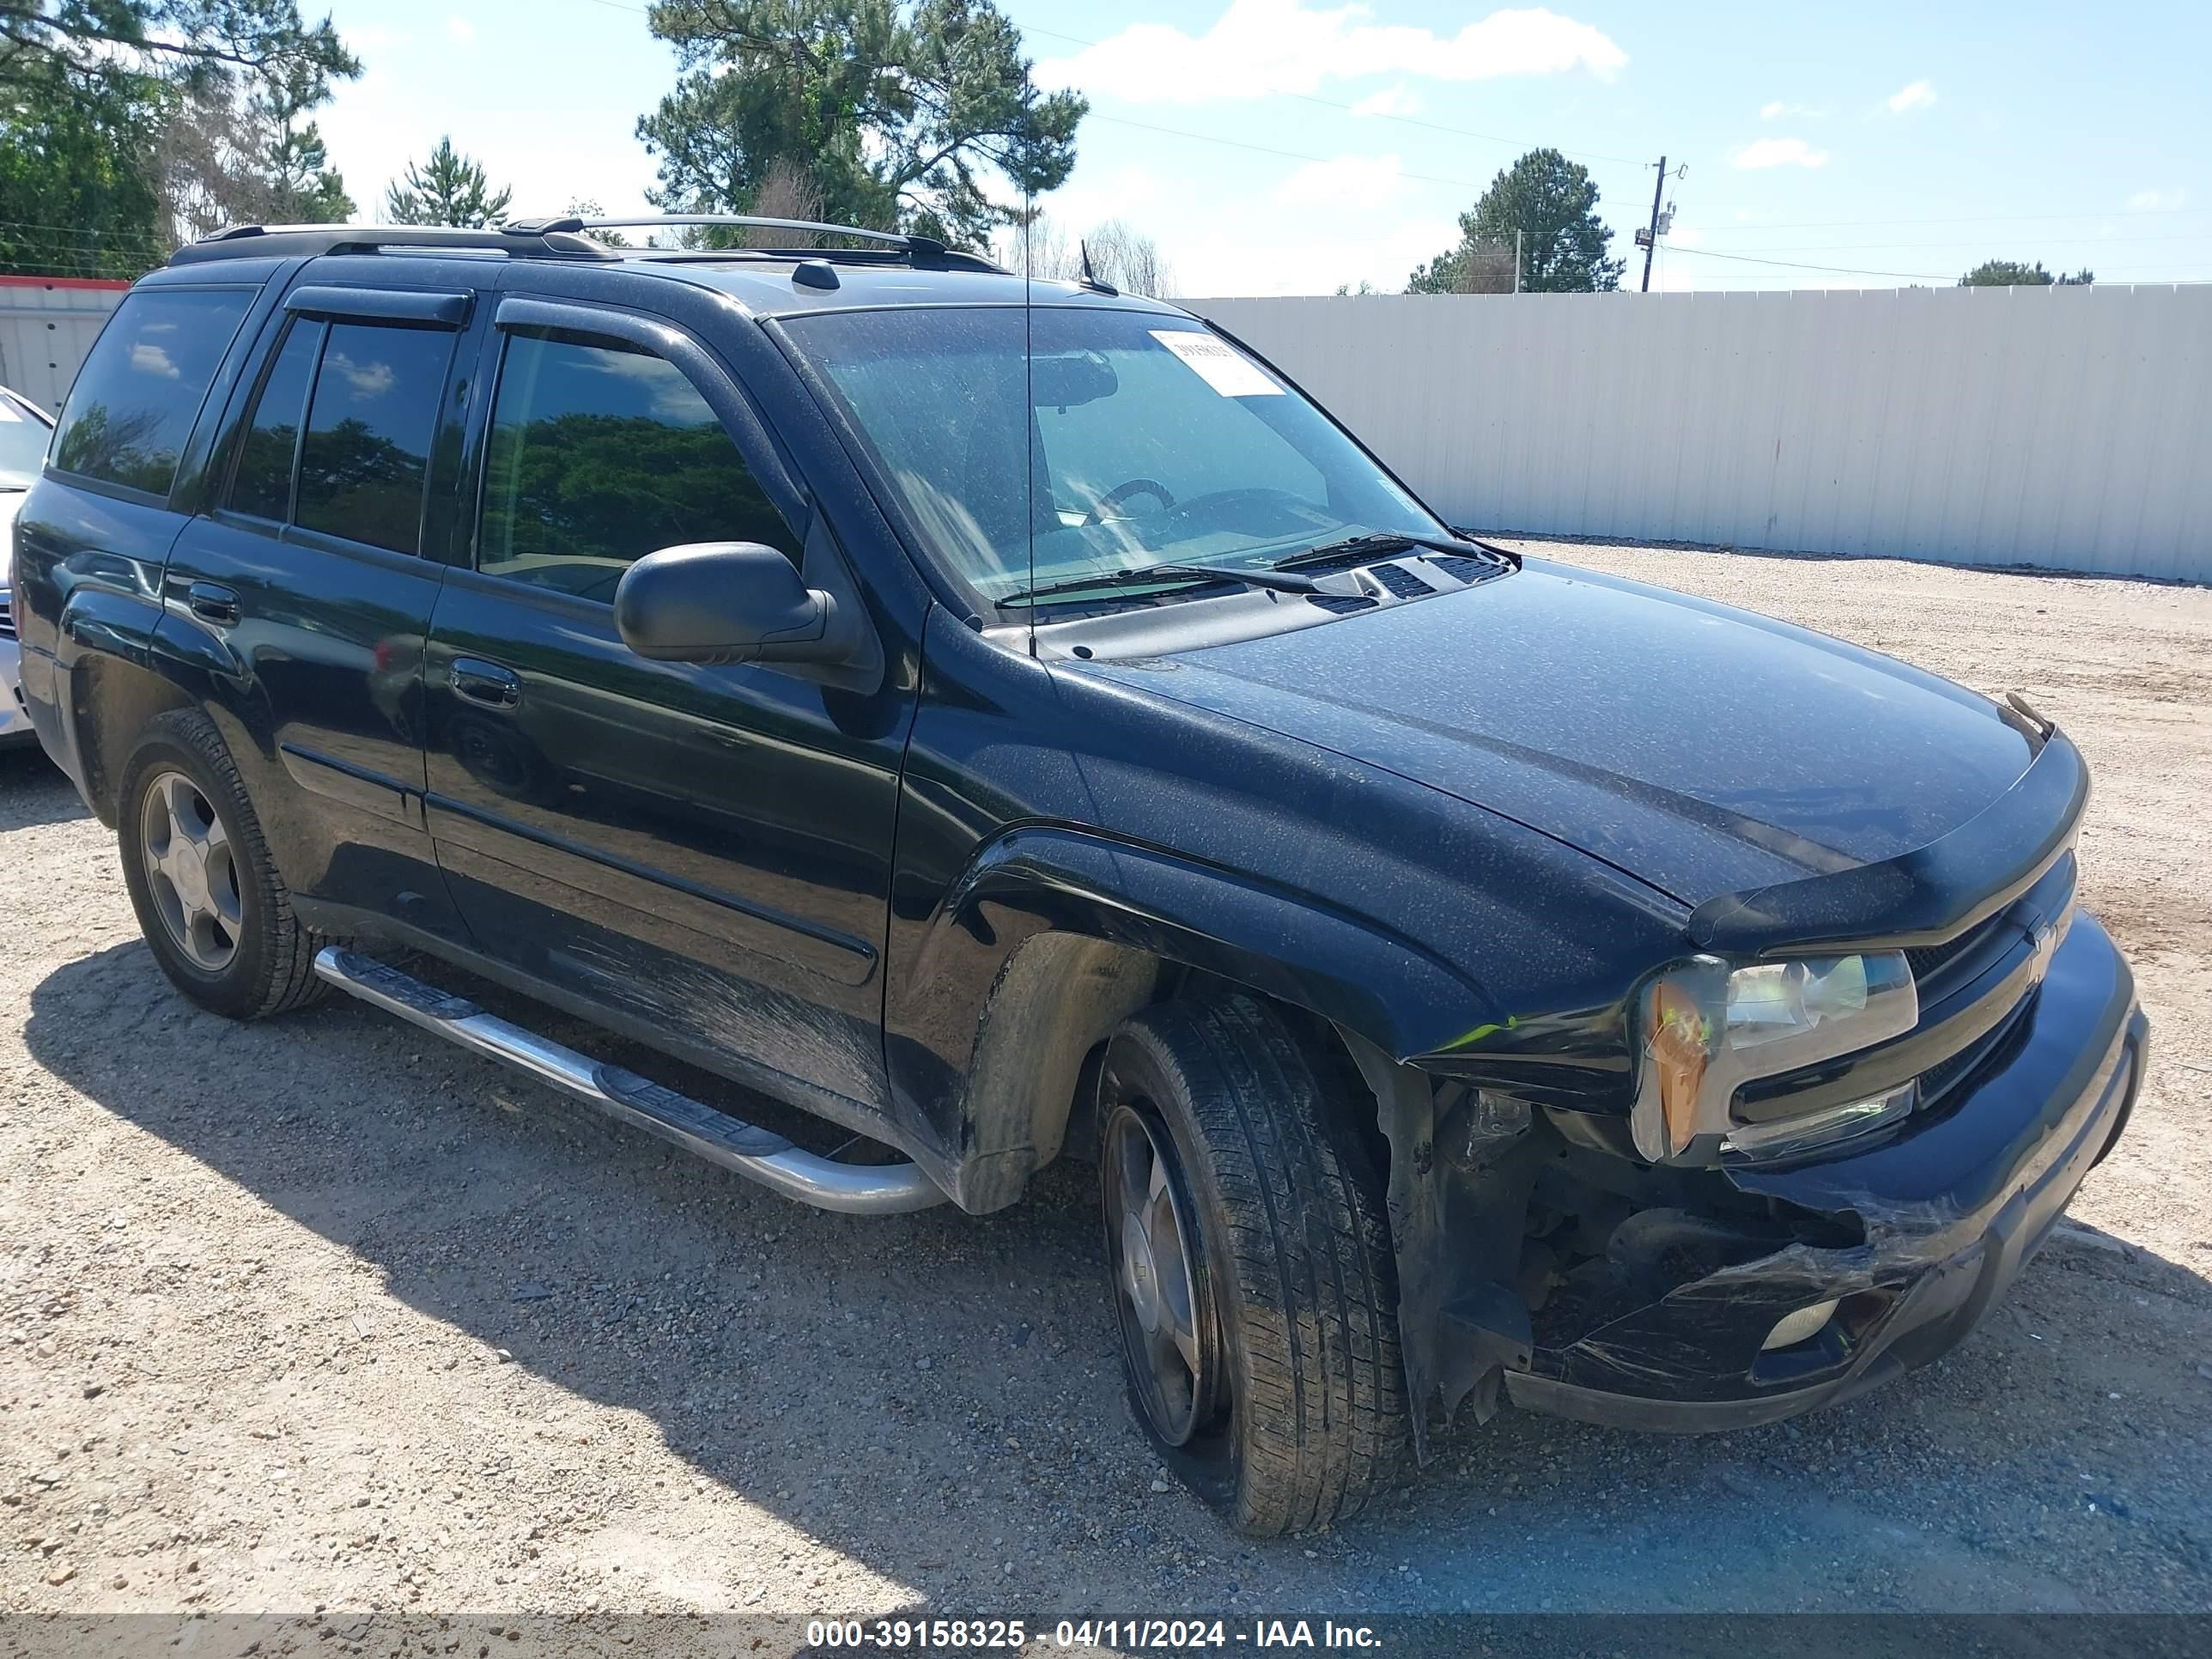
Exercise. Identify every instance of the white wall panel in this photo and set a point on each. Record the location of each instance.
(2063, 426)
(46, 329)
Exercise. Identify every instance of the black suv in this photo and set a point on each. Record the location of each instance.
(1007, 718)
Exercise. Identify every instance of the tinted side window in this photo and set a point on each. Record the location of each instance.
(599, 455)
(134, 401)
(365, 455)
(263, 485)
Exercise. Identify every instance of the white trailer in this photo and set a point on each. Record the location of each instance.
(47, 325)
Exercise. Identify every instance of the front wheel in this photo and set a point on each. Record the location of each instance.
(1250, 1256)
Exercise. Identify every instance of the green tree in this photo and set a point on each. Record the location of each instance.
(1553, 203)
(450, 189)
(586, 207)
(76, 193)
(2010, 273)
(92, 95)
(223, 160)
(117, 43)
(898, 113)
(304, 188)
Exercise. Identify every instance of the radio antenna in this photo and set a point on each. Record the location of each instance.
(1029, 388)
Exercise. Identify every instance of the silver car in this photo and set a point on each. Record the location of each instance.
(24, 430)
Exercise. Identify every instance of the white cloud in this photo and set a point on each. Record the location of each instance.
(1778, 152)
(153, 360)
(1919, 95)
(2157, 201)
(1124, 194)
(1393, 101)
(1347, 181)
(1776, 110)
(1262, 250)
(1262, 47)
(460, 31)
(368, 380)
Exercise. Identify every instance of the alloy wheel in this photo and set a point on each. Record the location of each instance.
(1167, 1328)
(191, 871)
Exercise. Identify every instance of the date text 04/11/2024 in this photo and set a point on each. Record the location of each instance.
(1212, 1633)
(1107, 1633)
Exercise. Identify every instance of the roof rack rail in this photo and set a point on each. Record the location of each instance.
(288, 241)
(565, 237)
(927, 246)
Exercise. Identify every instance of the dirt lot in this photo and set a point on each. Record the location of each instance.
(318, 1314)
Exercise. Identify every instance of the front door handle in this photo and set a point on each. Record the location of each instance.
(212, 603)
(484, 682)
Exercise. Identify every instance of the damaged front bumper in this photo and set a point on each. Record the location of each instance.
(1944, 1215)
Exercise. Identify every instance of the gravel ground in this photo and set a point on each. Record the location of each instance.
(318, 1314)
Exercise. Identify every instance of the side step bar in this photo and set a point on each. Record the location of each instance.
(756, 1154)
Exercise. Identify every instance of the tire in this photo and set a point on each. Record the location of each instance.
(1296, 1416)
(246, 955)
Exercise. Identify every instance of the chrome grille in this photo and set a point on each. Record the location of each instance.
(1987, 1052)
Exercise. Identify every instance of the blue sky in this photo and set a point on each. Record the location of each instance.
(1286, 146)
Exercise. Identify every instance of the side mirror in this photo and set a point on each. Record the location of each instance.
(715, 602)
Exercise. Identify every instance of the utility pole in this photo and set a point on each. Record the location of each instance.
(1651, 236)
(1517, 260)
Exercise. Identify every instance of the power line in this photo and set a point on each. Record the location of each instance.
(72, 230)
(1249, 147)
(2091, 242)
(1855, 271)
(1793, 264)
(1965, 219)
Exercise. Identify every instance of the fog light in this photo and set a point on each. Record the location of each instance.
(1794, 1327)
(1785, 1136)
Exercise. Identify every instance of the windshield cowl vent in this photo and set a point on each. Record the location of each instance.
(1400, 580)
(1342, 604)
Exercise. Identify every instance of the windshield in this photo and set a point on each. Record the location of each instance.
(1152, 439)
(22, 444)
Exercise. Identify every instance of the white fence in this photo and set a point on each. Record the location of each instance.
(2069, 428)
(46, 327)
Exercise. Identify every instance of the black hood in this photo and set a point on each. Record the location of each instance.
(1702, 748)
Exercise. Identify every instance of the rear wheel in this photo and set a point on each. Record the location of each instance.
(1249, 1252)
(214, 910)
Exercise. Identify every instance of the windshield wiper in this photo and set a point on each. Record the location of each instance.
(1388, 541)
(1152, 575)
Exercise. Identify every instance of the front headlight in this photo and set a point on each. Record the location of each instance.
(1704, 1029)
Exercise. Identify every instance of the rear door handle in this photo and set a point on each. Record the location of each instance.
(484, 682)
(212, 603)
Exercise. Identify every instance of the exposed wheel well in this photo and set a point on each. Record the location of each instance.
(114, 701)
(1032, 1075)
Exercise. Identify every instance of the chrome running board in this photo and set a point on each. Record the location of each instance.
(756, 1154)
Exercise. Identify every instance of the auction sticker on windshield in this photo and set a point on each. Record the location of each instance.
(1219, 364)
